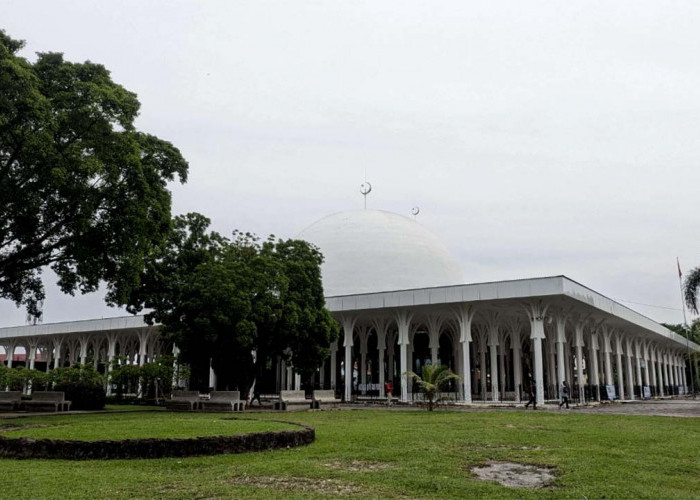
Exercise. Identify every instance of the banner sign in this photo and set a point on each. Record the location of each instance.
(610, 389)
(647, 392)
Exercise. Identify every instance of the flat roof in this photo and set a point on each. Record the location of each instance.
(487, 292)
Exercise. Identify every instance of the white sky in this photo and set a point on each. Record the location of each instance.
(538, 138)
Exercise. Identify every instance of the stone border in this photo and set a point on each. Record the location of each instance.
(63, 449)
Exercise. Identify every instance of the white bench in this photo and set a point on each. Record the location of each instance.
(42, 400)
(183, 400)
(325, 397)
(292, 400)
(10, 400)
(224, 400)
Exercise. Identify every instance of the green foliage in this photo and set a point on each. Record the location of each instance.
(19, 377)
(435, 379)
(83, 385)
(693, 330)
(691, 289)
(154, 379)
(124, 377)
(81, 190)
(220, 299)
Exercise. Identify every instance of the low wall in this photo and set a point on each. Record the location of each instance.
(25, 447)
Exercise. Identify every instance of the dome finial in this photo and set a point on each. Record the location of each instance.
(365, 189)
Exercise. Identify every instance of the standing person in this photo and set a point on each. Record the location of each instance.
(533, 396)
(388, 388)
(565, 393)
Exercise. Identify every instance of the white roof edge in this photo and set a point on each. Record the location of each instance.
(527, 288)
(83, 326)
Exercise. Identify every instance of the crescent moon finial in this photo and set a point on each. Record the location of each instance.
(365, 189)
(415, 211)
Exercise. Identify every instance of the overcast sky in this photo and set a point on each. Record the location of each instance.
(537, 138)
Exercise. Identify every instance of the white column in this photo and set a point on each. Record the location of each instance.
(536, 313)
(334, 363)
(638, 367)
(659, 369)
(10, 353)
(32, 355)
(684, 377)
(57, 344)
(111, 348)
(502, 368)
(620, 377)
(608, 365)
(578, 343)
(83, 349)
(647, 361)
(466, 370)
(630, 378)
(363, 368)
(493, 346)
(552, 362)
(390, 351)
(348, 329)
(560, 332)
(382, 392)
(381, 327)
(652, 369)
(482, 371)
(593, 369)
(403, 321)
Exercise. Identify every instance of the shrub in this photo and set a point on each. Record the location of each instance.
(83, 385)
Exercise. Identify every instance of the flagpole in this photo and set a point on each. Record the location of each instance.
(685, 326)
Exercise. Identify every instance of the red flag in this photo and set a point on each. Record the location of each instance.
(680, 274)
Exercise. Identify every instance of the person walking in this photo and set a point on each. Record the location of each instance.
(565, 393)
(389, 389)
(533, 396)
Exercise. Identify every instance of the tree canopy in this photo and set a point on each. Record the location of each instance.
(81, 190)
(691, 289)
(238, 302)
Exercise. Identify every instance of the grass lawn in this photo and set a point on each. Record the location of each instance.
(379, 453)
(133, 425)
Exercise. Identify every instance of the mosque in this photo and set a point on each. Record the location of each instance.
(399, 297)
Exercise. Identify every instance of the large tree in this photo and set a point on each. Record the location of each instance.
(237, 303)
(691, 289)
(81, 190)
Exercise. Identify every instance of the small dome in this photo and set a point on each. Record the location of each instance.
(376, 251)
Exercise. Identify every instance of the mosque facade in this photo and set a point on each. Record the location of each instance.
(402, 304)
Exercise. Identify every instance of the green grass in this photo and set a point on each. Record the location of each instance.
(378, 453)
(133, 425)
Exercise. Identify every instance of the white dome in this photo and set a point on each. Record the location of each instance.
(377, 251)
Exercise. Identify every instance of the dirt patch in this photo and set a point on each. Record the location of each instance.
(302, 485)
(357, 466)
(515, 475)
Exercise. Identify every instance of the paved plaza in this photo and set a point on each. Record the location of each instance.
(663, 408)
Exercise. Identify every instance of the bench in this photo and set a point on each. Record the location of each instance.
(290, 400)
(10, 400)
(183, 400)
(43, 400)
(224, 400)
(324, 397)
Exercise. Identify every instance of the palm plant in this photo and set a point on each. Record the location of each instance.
(691, 289)
(435, 379)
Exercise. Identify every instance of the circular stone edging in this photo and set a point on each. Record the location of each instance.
(65, 449)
